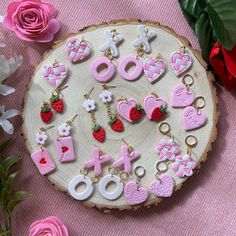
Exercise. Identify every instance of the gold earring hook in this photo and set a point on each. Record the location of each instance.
(69, 122)
(130, 148)
(89, 92)
(105, 87)
(43, 129)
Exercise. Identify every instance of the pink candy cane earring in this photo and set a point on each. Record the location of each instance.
(110, 51)
(41, 157)
(64, 142)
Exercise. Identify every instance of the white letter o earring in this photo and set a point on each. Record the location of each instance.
(113, 195)
(84, 194)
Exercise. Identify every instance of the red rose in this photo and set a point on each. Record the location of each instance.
(224, 64)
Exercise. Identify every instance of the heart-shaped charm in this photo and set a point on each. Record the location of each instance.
(153, 69)
(180, 62)
(55, 74)
(64, 149)
(181, 96)
(155, 108)
(133, 194)
(129, 110)
(43, 161)
(193, 119)
(163, 187)
(77, 50)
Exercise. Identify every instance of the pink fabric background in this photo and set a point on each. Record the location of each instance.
(207, 203)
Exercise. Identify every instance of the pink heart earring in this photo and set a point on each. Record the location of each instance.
(155, 107)
(180, 62)
(167, 149)
(64, 142)
(163, 185)
(77, 50)
(181, 95)
(41, 157)
(193, 118)
(185, 164)
(113, 38)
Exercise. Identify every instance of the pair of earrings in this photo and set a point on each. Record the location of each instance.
(64, 148)
(183, 97)
(169, 150)
(154, 107)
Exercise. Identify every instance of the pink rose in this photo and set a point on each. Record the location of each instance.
(50, 226)
(32, 20)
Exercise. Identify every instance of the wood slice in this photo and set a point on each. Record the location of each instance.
(143, 136)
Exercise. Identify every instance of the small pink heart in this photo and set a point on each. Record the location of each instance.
(180, 62)
(181, 96)
(162, 187)
(150, 103)
(77, 50)
(193, 119)
(134, 194)
(55, 74)
(124, 107)
(153, 69)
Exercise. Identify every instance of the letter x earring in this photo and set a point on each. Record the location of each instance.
(89, 105)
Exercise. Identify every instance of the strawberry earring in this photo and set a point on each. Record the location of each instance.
(90, 106)
(155, 107)
(64, 142)
(41, 157)
(106, 97)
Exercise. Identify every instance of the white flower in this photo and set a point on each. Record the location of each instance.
(89, 105)
(105, 96)
(41, 138)
(4, 116)
(64, 130)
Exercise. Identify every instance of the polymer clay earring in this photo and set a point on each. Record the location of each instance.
(185, 164)
(41, 157)
(110, 51)
(180, 62)
(155, 107)
(181, 95)
(193, 118)
(77, 50)
(142, 45)
(167, 149)
(129, 109)
(98, 159)
(114, 122)
(163, 185)
(134, 194)
(89, 105)
(64, 142)
(154, 68)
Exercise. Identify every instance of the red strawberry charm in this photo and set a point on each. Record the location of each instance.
(136, 113)
(99, 133)
(116, 124)
(46, 114)
(57, 103)
(158, 114)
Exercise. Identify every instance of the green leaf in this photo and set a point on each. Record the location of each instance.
(10, 180)
(17, 198)
(193, 7)
(9, 162)
(223, 21)
(4, 145)
(190, 19)
(96, 127)
(204, 33)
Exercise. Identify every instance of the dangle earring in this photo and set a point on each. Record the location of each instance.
(64, 142)
(182, 96)
(41, 157)
(155, 107)
(129, 109)
(106, 97)
(163, 185)
(134, 194)
(167, 149)
(110, 52)
(90, 106)
(96, 164)
(142, 45)
(180, 62)
(193, 118)
(77, 50)
(185, 164)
